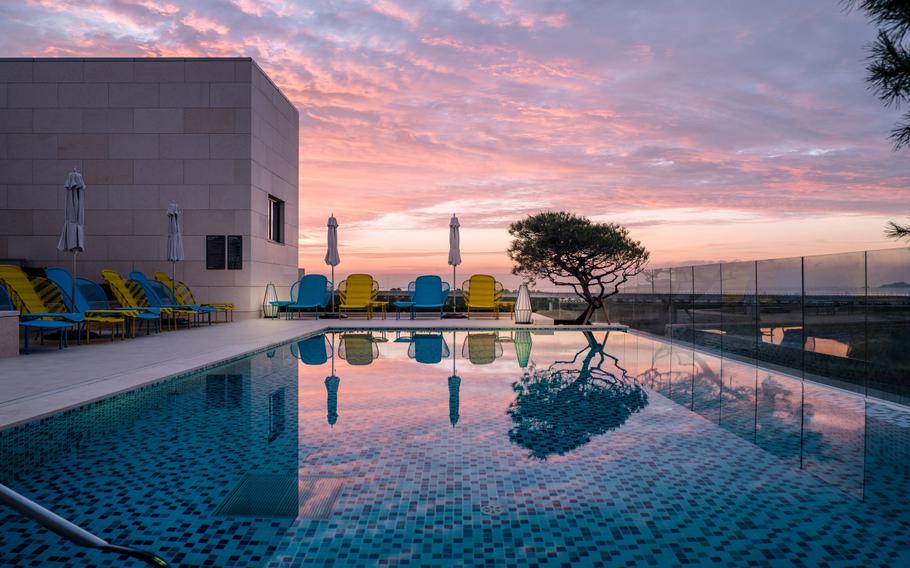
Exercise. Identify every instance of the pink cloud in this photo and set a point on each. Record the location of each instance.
(496, 109)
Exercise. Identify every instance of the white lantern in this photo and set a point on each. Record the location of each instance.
(270, 310)
(523, 305)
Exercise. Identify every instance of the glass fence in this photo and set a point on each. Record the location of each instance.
(842, 319)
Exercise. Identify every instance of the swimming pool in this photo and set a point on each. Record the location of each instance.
(376, 448)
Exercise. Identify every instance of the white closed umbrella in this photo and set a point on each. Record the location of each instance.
(174, 243)
(332, 258)
(72, 237)
(454, 254)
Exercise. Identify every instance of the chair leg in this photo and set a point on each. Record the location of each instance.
(25, 329)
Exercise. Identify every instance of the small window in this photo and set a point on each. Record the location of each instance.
(276, 220)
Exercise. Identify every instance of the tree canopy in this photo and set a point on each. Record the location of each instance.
(889, 58)
(594, 259)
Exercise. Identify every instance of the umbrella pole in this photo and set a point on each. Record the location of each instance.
(174, 280)
(333, 290)
(454, 288)
(73, 288)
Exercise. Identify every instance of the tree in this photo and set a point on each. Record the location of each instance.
(889, 69)
(569, 250)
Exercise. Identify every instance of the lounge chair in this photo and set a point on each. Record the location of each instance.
(131, 295)
(30, 322)
(428, 348)
(482, 348)
(428, 293)
(160, 296)
(482, 292)
(313, 350)
(360, 292)
(311, 292)
(185, 296)
(90, 297)
(33, 313)
(358, 348)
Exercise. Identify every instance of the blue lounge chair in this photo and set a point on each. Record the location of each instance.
(429, 348)
(312, 351)
(160, 296)
(428, 292)
(311, 292)
(91, 297)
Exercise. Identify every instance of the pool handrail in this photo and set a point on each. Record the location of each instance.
(70, 531)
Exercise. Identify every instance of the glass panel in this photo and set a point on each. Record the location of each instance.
(738, 406)
(778, 416)
(679, 389)
(681, 287)
(707, 325)
(835, 319)
(887, 346)
(738, 308)
(780, 313)
(833, 432)
(707, 388)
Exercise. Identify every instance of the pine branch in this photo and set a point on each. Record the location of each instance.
(895, 231)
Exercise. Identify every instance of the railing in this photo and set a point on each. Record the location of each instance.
(840, 318)
(73, 533)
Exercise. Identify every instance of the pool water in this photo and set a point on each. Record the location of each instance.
(504, 448)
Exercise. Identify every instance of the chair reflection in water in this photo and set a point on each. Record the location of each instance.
(428, 348)
(358, 348)
(313, 351)
(482, 348)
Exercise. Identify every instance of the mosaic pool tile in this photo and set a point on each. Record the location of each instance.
(629, 452)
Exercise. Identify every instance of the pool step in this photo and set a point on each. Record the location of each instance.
(283, 495)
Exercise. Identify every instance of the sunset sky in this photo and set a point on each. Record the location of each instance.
(715, 130)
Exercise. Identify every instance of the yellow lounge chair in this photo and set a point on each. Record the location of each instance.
(360, 292)
(41, 296)
(185, 296)
(482, 292)
(130, 295)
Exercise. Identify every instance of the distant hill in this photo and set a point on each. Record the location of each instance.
(896, 285)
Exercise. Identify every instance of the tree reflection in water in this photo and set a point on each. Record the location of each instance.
(560, 408)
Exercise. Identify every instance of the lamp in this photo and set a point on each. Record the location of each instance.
(523, 305)
(270, 310)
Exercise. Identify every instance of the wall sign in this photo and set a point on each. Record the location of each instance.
(214, 252)
(235, 252)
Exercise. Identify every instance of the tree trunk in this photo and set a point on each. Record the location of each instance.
(594, 304)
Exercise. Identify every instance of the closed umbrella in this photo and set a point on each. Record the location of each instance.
(174, 243)
(454, 257)
(332, 258)
(72, 237)
(454, 390)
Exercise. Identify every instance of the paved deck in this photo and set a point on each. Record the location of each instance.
(48, 381)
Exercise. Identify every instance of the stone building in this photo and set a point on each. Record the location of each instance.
(214, 135)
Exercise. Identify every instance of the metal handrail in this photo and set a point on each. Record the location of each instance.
(69, 531)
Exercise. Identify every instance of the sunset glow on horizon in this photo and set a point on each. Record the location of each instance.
(714, 131)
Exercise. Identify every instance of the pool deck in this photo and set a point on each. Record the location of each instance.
(49, 381)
